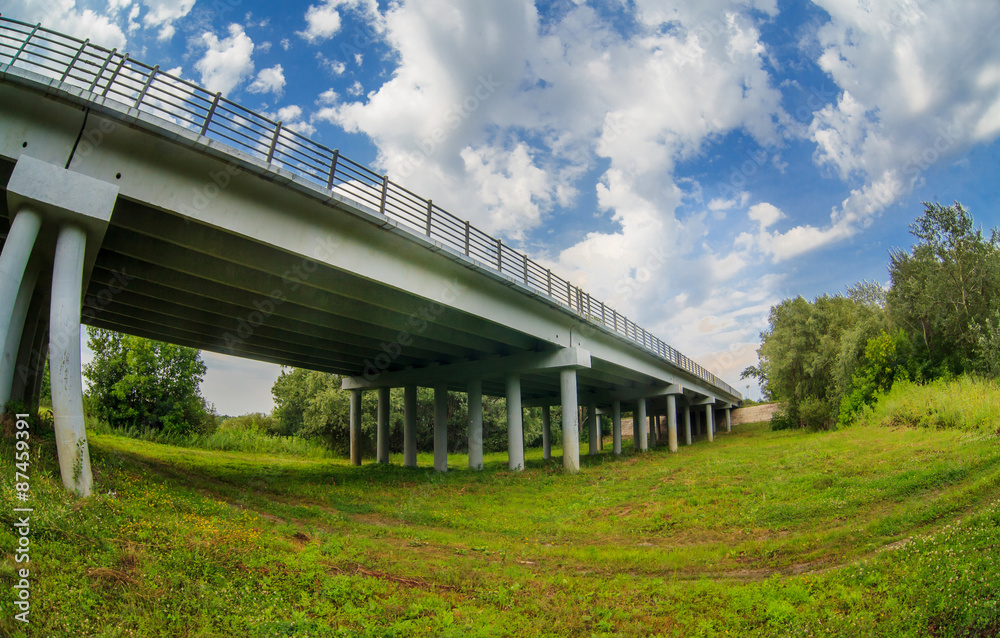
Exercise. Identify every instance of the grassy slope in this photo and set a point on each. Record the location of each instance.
(759, 533)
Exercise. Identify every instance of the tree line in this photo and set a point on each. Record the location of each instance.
(828, 358)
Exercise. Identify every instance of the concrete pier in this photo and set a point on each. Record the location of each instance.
(546, 432)
(515, 423)
(672, 422)
(570, 425)
(441, 427)
(355, 427)
(476, 423)
(687, 424)
(640, 418)
(409, 425)
(382, 440)
(592, 429)
(616, 426)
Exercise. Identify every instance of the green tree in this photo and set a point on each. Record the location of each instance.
(137, 383)
(947, 284)
(801, 356)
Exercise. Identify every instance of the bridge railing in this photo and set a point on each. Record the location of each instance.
(111, 75)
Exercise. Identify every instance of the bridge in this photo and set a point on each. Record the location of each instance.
(140, 202)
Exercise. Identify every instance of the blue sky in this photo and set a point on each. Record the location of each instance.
(692, 162)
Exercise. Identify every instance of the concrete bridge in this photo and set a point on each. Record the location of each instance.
(139, 202)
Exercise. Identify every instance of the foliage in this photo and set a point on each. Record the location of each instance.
(802, 355)
(140, 384)
(966, 403)
(948, 283)
(883, 363)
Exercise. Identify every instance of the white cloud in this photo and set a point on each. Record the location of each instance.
(66, 17)
(765, 214)
(227, 62)
(322, 22)
(291, 118)
(163, 14)
(270, 80)
(328, 96)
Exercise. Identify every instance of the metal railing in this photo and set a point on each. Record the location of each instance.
(110, 75)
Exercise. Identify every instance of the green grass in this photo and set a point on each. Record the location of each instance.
(965, 403)
(867, 531)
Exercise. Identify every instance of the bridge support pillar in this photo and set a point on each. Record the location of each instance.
(687, 424)
(654, 428)
(547, 432)
(709, 425)
(64, 358)
(441, 427)
(672, 422)
(640, 418)
(616, 426)
(18, 332)
(729, 420)
(410, 426)
(356, 427)
(382, 443)
(635, 429)
(600, 432)
(475, 423)
(591, 429)
(515, 423)
(570, 425)
(61, 214)
(13, 281)
(31, 353)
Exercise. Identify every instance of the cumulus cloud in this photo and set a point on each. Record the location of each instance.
(163, 13)
(270, 80)
(227, 62)
(65, 16)
(323, 21)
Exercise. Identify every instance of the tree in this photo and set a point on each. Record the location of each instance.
(802, 355)
(137, 383)
(948, 284)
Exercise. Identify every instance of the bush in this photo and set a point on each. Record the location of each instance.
(966, 403)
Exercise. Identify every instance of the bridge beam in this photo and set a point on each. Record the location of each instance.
(482, 368)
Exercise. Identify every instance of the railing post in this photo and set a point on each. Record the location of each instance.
(467, 225)
(525, 256)
(23, 46)
(385, 192)
(499, 255)
(430, 206)
(333, 169)
(548, 280)
(145, 88)
(211, 113)
(76, 58)
(114, 76)
(104, 67)
(274, 142)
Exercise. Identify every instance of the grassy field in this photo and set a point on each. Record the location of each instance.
(868, 531)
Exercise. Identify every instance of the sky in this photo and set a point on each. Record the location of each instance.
(690, 162)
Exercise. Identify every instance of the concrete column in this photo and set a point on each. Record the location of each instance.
(729, 420)
(672, 422)
(640, 418)
(16, 330)
(410, 426)
(592, 429)
(653, 439)
(600, 432)
(697, 423)
(515, 423)
(546, 432)
(13, 264)
(687, 424)
(33, 387)
(571, 439)
(709, 425)
(441, 427)
(475, 424)
(355, 427)
(64, 358)
(616, 426)
(635, 429)
(31, 356)
(382, 444)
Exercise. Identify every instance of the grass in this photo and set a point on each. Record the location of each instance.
(868, 531)
(966, 403)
